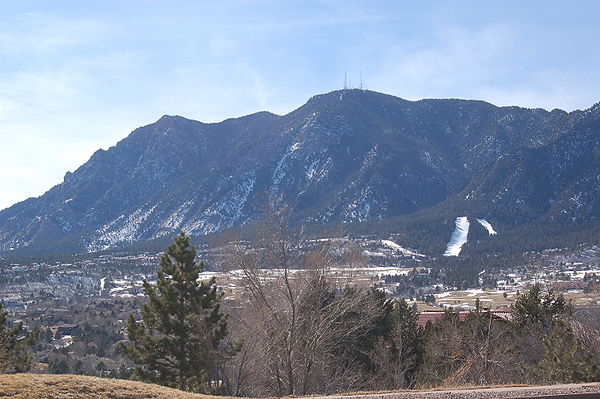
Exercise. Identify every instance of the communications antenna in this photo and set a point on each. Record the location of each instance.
(345, 79)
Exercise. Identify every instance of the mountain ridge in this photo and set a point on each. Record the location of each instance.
(345, 156)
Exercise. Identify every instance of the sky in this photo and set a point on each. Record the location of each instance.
(77, 76)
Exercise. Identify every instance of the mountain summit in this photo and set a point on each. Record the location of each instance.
(345, 156)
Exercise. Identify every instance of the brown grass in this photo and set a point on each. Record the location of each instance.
(48, 386)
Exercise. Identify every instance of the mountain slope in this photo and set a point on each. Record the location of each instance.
(345, 156)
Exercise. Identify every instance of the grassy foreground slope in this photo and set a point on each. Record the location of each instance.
(47, 386)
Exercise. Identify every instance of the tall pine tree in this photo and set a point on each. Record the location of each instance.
(14, 346)
(539, 307)
(179, 341)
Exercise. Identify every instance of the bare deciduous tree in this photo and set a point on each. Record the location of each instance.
(586, 328)
(302, 328)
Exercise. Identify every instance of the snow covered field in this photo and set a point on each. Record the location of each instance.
(401, 250)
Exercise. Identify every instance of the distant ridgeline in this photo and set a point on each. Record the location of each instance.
(370, 162)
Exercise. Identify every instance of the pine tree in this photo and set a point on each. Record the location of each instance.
(442, 350)
(398, 353)
(14, 345)
(534, 317)
(539, 307)
(563, 360)
(178, 342)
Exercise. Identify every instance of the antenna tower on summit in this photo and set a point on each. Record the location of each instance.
(345, 79)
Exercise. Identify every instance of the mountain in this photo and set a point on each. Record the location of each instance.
(348, 156)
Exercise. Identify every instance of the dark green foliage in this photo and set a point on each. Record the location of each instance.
(78, 368)
(355, 350)
(399, 351)
(471, 349)
(14, 346)
(101, 336)
(539, 308)
(58, 367)
(442, 355)
(388, 351)
(487, 347)
(545, 347)
(100, 366)
(564, 359)
(178, 342)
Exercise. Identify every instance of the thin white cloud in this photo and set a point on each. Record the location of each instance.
(548, 95)
(491, 64)
(30, 94)
(458, 59)
(38, 33)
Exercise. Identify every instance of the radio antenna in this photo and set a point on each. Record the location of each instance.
(345, 79)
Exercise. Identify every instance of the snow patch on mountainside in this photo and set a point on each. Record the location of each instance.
(362, 208)
(122, 229)
(318, 168)
(488, 226)
(459, 236)
(176, 218)
(398, 248)
(226, 212)
(280, 172)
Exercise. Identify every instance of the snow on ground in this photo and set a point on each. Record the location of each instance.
(208, 275)
(173, 221)
(402, 250)
(459, 236)
(272, 273)
(580, 274)
(366, 252)
(375, 270)
(122, 229)
(475, 292)
(487, 225)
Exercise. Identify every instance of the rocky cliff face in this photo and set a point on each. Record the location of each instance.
(345, 156)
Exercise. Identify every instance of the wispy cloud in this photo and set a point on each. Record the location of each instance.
(33, 94)
(36, 33)
(449, 66)
(491, 63)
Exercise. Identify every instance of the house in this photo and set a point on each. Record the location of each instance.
(63, 329)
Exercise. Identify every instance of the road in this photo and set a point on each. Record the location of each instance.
(563, 391)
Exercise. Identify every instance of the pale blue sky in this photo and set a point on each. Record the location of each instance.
(77, 75)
